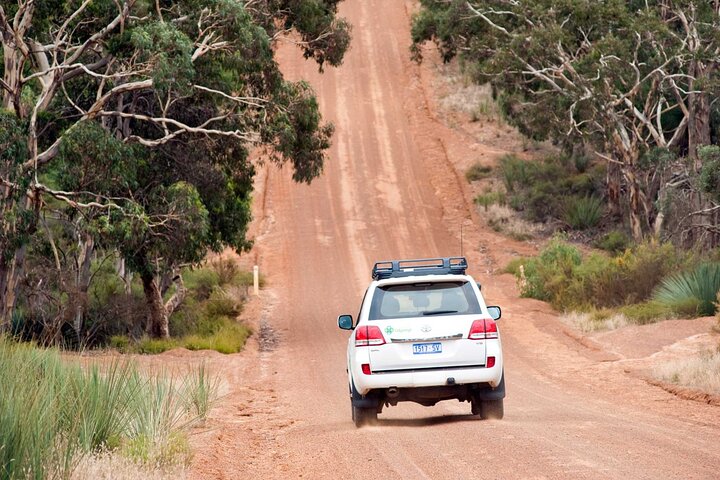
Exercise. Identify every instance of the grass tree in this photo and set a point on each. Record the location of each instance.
(139, 116)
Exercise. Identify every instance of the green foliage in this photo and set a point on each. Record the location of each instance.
(710, 172)
(227, 336)
(487, 199)
(583, 212)
(647, 312)
(561, 276)
(613, 242)
(558, 68)
(478, 171)
(158, 170)
(201, 282)
(551, 189)
(92, 159)
(700, 285)
(52, 412)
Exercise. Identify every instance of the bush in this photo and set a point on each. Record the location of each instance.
(613, 242)
(514, 172)
(120, 342)
(583, 212)
(220, 304)
(201, 282)
(551, 272)
(229, 338)
(562, 277)
(701, 284)
(647, 312)
(487, 199)
(478, 171)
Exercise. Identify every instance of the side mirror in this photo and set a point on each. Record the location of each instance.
(495, 312)
(479, 286)
(345, 322)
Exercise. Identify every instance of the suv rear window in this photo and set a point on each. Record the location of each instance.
(423, 299)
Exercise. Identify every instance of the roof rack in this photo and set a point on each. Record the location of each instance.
(423, 266)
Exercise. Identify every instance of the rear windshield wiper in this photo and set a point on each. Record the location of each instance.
(439, 312)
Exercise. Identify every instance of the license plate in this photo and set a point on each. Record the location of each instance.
(421, 348)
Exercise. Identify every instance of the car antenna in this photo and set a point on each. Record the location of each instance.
(461, 238)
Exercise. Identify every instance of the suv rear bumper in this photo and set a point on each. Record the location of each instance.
(430, 378)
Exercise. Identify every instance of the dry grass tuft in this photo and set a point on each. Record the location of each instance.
(505, 220)
(113, 466)
(700, 372)
(588, 322)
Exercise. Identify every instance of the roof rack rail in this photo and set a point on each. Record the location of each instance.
(422, 266)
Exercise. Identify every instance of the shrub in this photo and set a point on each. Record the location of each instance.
(478, 171)
(583, 212)
(120, 342)
(153, 346)
(220, 304)
(647, 312)
(551, 272)
(245, 279)
(487, 199)
(201, 282)
(562, 277)
(701, 284)
(226, 269)
(229, 338)
(613, 242)
(514, 172)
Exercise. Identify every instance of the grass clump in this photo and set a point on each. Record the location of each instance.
(583, 212)
(614, 242)
(53, 413)
(553, 189)
(503, 220)
(701, 372)
(699, 286)
(491, 198)
(478, 171)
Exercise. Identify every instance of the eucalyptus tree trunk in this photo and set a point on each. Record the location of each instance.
(86, 246)
(10, 276)
(158, 316)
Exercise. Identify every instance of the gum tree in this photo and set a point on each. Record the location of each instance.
(139, 115)
(628, 79)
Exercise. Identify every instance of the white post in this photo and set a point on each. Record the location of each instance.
(256, 280)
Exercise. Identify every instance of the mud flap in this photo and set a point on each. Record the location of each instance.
(489, 393)
(371, 400)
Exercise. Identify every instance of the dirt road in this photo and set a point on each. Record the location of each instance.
(390, 191)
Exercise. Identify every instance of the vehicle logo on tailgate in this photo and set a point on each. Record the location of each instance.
(425, 328)
(389, 330)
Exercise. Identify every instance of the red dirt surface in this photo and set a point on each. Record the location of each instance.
(391, 190)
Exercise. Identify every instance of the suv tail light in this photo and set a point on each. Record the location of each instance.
(366, 336)
(485, 328)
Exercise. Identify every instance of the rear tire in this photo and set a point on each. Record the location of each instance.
(491, 409)
(364, 416)
(361, 415)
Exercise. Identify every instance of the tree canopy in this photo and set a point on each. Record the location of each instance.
(133, 122)
(625, 79)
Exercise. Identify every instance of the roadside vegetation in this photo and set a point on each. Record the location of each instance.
(56, 416)
(702, 372)
(645, 283)
(207, 318)
(632, 117)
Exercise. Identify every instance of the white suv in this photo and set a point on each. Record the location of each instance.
(424, 334)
